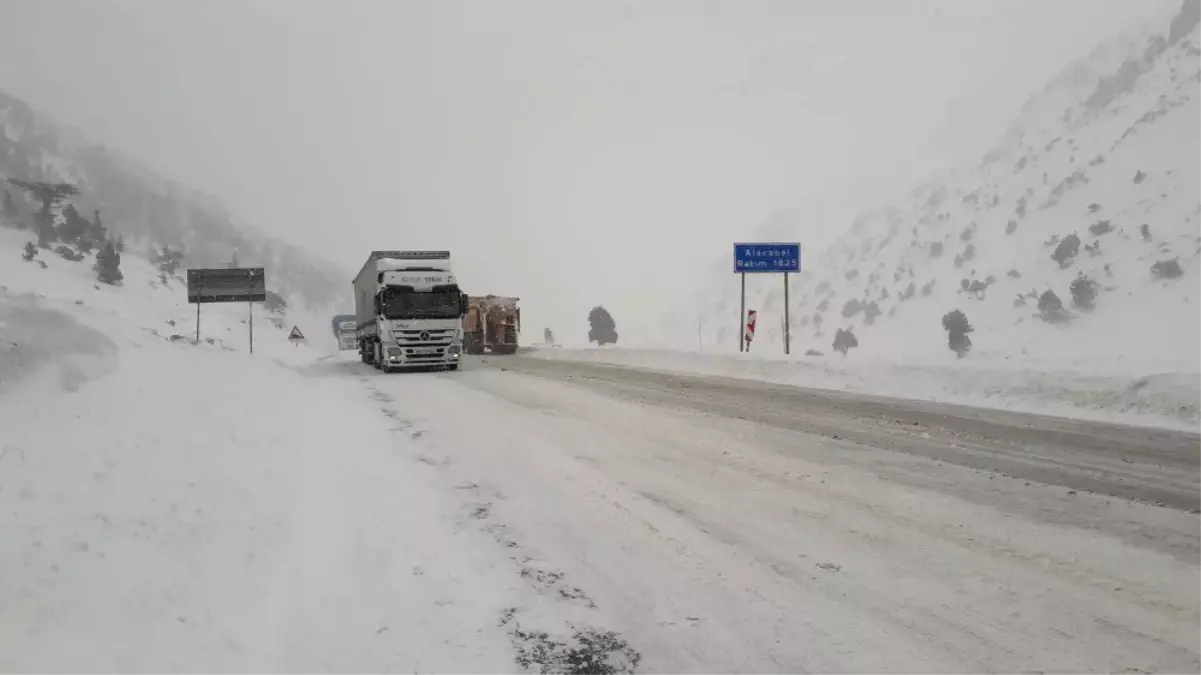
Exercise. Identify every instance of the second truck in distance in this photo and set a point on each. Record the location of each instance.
(491, 323)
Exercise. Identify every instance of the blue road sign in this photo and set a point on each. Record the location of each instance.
(761, 258)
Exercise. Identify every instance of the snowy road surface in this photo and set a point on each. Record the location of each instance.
(1155, 465)
(715, 541)
(294, 513)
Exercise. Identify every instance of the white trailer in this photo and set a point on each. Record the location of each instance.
(408, 310)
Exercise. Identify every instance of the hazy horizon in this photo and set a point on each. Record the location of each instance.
(569, 153)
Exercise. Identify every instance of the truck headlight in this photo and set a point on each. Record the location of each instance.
(454, 351)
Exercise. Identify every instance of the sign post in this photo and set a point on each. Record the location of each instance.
(742, 311)
(242, 284)
(296, 337)
(766, 258)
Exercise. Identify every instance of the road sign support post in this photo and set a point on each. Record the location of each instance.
(765, 258)
(786, 335)
(742, 315)
(246, 284)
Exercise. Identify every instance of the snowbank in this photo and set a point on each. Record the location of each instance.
(1086, 391)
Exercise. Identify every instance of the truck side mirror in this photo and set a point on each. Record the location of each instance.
(375, 301)
(463, 303)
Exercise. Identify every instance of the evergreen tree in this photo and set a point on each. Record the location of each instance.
(957, 326)
(50, 194)
(30, 251)
(74, 226)
(603, 329)
(108, 264)
(11, 212)
(97, 232)
(45, 231)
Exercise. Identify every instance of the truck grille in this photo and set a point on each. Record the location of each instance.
(424, 345)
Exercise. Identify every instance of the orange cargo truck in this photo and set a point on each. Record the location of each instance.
(492, 323)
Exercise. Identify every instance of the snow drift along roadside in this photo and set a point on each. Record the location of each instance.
(1169, 399)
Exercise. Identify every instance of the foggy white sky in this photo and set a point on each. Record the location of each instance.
(567, 152)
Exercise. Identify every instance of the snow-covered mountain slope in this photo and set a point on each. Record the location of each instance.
(147, 209)
(1102, 166)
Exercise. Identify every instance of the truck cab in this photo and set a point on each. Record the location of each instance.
(345, 331)
(409, 310)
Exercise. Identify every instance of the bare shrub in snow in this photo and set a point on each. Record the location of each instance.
(1100, 227)
(1084, 292)
(956, 324)
(1094, 207)
(928, 289)
(851, 308)
(844, 341)
(1145, 230)
(169, 261)
(969, 252)
(1139, 177)
(851, 275)
(1052, 240)
(1066, 251)
(871, 310)
(909, 292)
(1014, 274)
(812, 352)
(1093, 249)
(1051, 309)
(936, 249)
(968, 233)
(1011, 227)
(1020, 209)
(67, 253)
(1167, 269)
(823, 305)
(31, 251)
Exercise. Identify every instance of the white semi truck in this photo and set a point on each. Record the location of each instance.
(408, 311)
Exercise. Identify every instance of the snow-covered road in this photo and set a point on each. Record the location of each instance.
(207, 510)
(721, 544)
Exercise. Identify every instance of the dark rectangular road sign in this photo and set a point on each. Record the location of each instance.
(767, 258)
(239, 284)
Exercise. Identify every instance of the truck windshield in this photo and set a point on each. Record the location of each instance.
(414, 305)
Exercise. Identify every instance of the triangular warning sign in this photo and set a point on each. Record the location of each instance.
(296, 334)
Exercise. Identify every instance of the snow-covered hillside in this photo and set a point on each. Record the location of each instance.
(1097, 185)
(173, 506)
(148, 210)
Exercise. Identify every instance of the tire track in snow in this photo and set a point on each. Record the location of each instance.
(567, 647)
